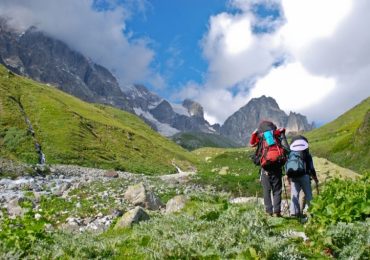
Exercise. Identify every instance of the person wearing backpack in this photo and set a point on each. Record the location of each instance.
(300, 169)
(271, 149)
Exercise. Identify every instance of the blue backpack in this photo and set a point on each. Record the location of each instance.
(295, 165)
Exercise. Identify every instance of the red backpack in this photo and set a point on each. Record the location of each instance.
(270, 153)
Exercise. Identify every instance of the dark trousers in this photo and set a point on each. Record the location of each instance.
(272, 184)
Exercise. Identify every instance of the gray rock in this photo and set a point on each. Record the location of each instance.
(176, 204)
(37, 196)
(242, 200)
(14, 209)
(62, 189)
(138, 195)
(117, 213)
(133, 216)
(111, 174)
(71, 225)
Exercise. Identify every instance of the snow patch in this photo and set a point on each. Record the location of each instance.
(163, 129)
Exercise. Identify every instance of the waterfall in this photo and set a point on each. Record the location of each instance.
(42, 158)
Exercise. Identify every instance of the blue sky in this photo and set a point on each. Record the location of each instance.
(175, 29)
(312, 56)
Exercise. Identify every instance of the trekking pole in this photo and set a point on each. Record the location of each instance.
(317, 188)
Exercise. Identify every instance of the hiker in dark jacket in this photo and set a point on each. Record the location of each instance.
(302, 180)
(271, 176)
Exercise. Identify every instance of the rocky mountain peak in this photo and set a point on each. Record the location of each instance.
(163, 112)
(194, 108)
(264, 100)
(141, 98)
(297, 123)
(243, 122)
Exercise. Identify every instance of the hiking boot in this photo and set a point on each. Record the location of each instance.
(278, 215)
(268, 214)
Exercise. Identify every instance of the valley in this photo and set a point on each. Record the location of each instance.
(91, 169)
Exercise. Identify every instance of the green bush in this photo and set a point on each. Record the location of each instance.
(342, 201)
(20, 234)
(338, 224)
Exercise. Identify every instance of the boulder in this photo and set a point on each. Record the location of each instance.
(133, 216)
(176, 204)
(138, 195)
(14, 209)
(111, 174)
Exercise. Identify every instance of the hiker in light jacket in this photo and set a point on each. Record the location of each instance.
(271, 177)
(301, 181)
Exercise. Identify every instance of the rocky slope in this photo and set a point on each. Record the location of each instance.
(243, 122)
(36, 55)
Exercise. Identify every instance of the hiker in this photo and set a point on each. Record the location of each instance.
(300, 169)
(271, 148)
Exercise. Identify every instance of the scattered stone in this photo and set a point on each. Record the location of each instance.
(133, 216)
(178, 178)
(296, 234)
(223, 170)
(111, 174)
(71, 225)
(138, 195)
(37, 196)
(176, 204)
(62, 189)
(117, 213)
(242, 200)
(14, 209)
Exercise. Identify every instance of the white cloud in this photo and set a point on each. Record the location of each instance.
(233, 52)
(293, 87)
(309, 20)
(324, 45)
(98, 35)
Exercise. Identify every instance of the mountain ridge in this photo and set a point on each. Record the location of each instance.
(71, 131)
(39, 56)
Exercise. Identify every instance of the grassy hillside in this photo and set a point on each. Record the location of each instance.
(229, 170)
(345, 140)
(74, 132)
(192, 140)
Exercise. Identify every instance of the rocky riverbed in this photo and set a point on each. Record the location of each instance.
(90, 199)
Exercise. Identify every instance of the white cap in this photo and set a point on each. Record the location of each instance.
(299, 145)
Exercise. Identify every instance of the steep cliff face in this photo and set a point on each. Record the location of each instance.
(194, 108)
(297, 123)
(242, 123)
(36, 55)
